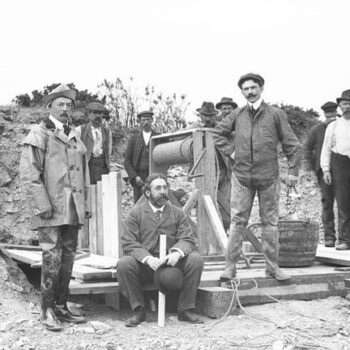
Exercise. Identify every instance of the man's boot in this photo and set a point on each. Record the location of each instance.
(49, 320)
(234, 246)
(269, 238)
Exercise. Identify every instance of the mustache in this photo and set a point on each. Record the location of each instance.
(251, 95)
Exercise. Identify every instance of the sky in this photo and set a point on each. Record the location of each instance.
(195, 47)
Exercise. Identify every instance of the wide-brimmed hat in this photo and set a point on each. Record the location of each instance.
(226, 101)
(251, 76)
(145, 114)
(61, 91)
(96, 106)
(344, 96)
(168, 278)
(208, 108)
(329, 106)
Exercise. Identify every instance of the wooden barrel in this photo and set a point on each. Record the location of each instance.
(298, 243)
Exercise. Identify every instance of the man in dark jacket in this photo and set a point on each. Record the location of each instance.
(259, 129)
(313, 147)
(136, 161)
(140, 242)
(97, 139)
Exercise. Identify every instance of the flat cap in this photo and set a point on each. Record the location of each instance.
(344, 96)
(96, 106)
(145, 114)
(251, 76)
(61, 91)
(329, 106)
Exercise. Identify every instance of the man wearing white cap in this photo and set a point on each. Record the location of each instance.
(53, 171)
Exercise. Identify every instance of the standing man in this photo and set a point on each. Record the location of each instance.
(313, 147)
(97, 139)
(259, 129)
(140, 242)
(53, 171)
(226, 106)
(136, 161)
(335, 164)
(208, 115)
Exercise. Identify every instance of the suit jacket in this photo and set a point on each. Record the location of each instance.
(133, 153)
(142, 231)
(88, 140)
(313, 145)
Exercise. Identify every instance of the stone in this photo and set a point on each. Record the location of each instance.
(100, 327)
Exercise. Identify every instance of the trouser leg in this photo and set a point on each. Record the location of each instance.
(340, 171)
(327, 200)
(191, 267)
(241, 206)
(131, 275)
(97, 167)
(69, 237)
(50, 241)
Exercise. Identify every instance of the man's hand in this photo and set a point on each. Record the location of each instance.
(138, 181)
(153, 263)
(327, 178)
(172, 258)
(88, 215)
(46, 215)
(291, 180)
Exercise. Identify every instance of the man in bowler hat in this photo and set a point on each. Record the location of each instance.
(335, 164)
(313, 147)
(259, 129)
(136, 161)
(140, 243)
(53, 171)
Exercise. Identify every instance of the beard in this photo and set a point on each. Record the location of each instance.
(159, 200)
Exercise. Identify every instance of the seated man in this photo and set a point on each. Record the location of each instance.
(140, 242)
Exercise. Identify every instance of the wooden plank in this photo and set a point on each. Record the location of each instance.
(253, 239)
(98, 261)
(20, 247)
(107, 212)
(93, 288)
(93, 221)
(86, 273)
(191, 202)
(216, 222)
(83, 235)
(99, 226)
(332, 256)
(25, 256)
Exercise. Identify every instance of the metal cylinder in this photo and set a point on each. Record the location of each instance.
(175, 152)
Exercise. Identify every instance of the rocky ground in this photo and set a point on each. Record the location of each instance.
(321, 324)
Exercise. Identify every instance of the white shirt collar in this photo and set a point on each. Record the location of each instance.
(58, 124)
(256, 104)
(156, 209)
(93, 128)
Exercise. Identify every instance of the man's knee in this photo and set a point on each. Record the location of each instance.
(195, 260)
(126, 264)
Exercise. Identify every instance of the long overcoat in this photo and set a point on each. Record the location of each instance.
(54, 174)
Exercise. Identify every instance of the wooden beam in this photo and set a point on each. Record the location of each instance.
(191, 202)
(93, 220)
(332, 256)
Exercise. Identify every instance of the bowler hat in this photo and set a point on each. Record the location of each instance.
(226, 101)
(96, 106)
(60, 91)
(344, 96)
(168, 278)
(145, 114)
(208, 108)
(251, 76)
(329, 107)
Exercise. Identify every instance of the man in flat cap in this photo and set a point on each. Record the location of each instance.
(136, 161)
(259, 129)
(140, 242)
(335, 164)
(97, 139)
(313, 147)
(226, 106)
(53, 171)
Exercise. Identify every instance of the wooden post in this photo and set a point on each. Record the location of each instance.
(99, 219)
(93, 220)
(161, 296)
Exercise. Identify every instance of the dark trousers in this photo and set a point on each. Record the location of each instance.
(327, 200)
(97, 167)
(138, 189)
(132, 275)
(340, 171)
(59, 244)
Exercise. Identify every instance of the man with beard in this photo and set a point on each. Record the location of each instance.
(97, 139)
(313, 147)
(53, 171)
(140, 242)
(136, 161)
(335, 164)
(259, 128)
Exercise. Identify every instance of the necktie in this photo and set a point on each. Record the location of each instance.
(158, 213)
(66, 129)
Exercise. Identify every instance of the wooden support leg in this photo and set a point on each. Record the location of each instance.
(161, 296)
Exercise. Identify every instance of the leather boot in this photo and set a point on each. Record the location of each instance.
(269, 240)
(49, 320)
(234, 246)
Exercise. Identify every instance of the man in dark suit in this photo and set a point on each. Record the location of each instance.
(313, 147)
(136, 161)
(140, 242)
(97, 139)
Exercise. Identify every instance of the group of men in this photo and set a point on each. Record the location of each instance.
(58, 162)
